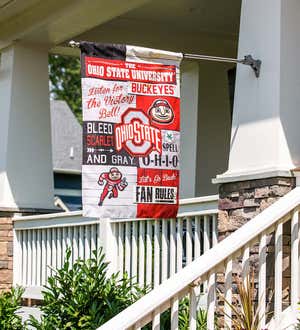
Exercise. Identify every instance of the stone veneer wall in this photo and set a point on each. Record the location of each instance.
(239, 202)
(6, 253)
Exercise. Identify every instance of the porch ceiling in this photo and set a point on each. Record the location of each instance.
(52, 22)
(197, 16)
(179, 25)
(185, 24)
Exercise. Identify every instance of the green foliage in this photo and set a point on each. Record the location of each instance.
(10, 302)
(183, 317)
(83, 297)
(245, 316)
(65, 81)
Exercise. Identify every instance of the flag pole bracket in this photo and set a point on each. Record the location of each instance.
(255, 64)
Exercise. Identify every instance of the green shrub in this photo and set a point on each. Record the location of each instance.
(9, 303)
(82, 296)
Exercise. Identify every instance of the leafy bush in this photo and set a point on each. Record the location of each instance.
(82, 296)
(9, 303)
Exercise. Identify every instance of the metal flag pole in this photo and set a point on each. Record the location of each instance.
(247, 60)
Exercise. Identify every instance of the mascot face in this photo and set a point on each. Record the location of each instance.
(161, 112)
(114, 174)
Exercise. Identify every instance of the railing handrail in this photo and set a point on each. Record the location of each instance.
(199, 200)
(75, 218)
(205, 263)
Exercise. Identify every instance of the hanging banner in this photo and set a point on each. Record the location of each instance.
(131, 131)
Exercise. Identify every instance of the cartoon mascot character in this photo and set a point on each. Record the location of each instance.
(114, 182)
(161, 112)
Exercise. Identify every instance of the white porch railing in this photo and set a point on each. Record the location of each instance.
(137, 247)
(220, 259)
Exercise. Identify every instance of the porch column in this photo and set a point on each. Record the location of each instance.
(265, 135)
(265, 130)
(189, 122)
(26, 173)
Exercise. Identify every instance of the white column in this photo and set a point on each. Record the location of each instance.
(189, 122)
(214, 120)
(265, 130)
(26, 173)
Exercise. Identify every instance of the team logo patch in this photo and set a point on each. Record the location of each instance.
(136, 134)
(161, 112)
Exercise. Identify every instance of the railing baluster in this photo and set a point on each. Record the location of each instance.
(134, 250)
(64, 243)
(54, 249)
(34, 269)
(294, 259)
(69, 239)
(164, 250)
(156, 267)
(228, 293)
(189, 244)
(156, 320)
(174, 313)
(211, 301)
(172, 246)
(59, 247)
(262, 279)
(278, 272)
(245, 264)
(179, 244)
(17, 260)
(87, 241)
(39, 257)
(142, 253)
(48, 253)
(24, 258)
(197, 238)
(75, 244)
(214, 229)
(121, 248)
(44, 255)
(29, 257)
(127, 248)
(193, 309)
(206, 244)
(81, 242)
(93, 238)
(149, 253)
(98, 230)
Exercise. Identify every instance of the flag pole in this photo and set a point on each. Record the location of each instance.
(247, 60)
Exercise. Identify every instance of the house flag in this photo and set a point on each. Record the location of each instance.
(131, 131)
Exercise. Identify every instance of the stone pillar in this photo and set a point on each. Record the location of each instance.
(26, 171)
(6, 252)
(239, 202)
